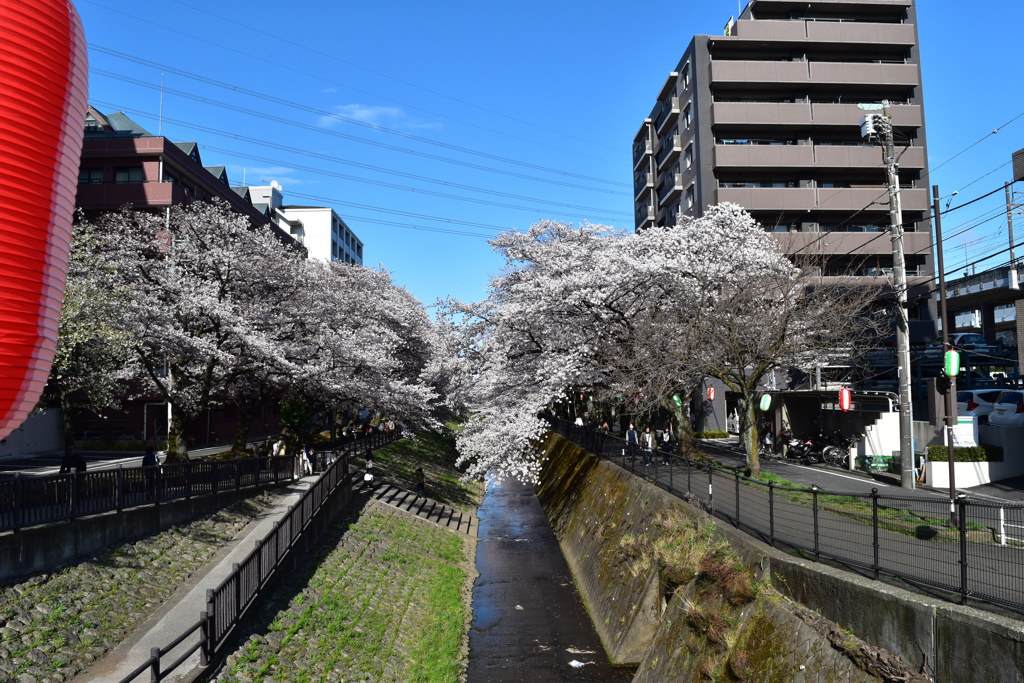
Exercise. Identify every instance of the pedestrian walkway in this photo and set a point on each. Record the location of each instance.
(182, 610)
(462, 521)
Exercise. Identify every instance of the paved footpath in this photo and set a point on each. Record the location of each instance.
(181, 611)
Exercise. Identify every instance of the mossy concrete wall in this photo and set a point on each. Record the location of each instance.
(593, 505)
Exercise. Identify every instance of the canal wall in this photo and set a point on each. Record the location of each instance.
(686, 599)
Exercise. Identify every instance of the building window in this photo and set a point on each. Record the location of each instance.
(169, 178)
(689, 197)
(90, 176)
(130, 174)
(687, 117)
(689, 156)
(685, 76)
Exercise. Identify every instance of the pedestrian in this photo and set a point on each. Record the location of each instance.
(71, 461)
(308, 459)
(647, 441)
(668, 445)
(604, 427)
(420, 483)
(149, 463)
(632, 440)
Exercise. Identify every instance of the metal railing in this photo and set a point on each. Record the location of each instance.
(228, 602)
(962, 548)
(35, 500)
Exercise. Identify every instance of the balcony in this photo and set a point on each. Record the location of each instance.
(835, 32)
(805, 114)
(672, 187)
(645, 217)
(823, 199)
(642, 182)
(859, 243)
(810, 156)
(670, 149)
(669, 114)
(113, 196)
(746, 73)
(641, 150)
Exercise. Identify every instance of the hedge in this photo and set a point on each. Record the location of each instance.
(988, 453)
(712, 434)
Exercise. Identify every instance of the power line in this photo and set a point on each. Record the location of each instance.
(337, 134)
(278, 38)
(331, 115)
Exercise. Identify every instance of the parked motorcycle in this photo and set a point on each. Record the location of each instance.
(832, 449)
(791, 447)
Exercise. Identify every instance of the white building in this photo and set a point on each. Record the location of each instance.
(323, 232)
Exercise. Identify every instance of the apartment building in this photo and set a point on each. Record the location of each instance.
(124, 164)
(323, 232)
(767, 116)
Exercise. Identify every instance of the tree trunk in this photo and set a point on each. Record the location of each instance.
(65, 416)
(748, 431)
(684, 428)
(246, 413)
(177, 439)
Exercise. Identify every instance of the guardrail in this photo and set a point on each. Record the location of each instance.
(960, 547)
(227, 603)
(35, 500)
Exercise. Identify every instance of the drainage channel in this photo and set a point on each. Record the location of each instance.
(529, 621)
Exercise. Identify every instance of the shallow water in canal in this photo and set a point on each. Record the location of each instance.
(529, 622)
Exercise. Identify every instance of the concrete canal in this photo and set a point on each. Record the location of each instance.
(529, 621)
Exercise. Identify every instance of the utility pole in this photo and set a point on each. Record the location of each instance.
(950, 389)
(1009, 224)
(882, 126)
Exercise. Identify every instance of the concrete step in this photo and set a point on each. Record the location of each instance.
(462, 521)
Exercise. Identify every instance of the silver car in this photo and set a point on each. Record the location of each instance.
(978, 403)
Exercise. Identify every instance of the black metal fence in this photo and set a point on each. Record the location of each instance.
(33, 500)
(226, 603)
(962, 549)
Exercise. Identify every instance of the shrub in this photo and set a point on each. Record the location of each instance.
(712, 434)
(986, 453)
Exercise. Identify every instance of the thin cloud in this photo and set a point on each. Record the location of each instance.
(263, 175)
(384, 117)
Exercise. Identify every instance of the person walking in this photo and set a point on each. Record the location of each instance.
(668, 445)
(149, 464)
(632, 440)
(420, 483)
(647, 443)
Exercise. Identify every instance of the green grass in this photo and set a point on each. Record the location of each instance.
(435, 453)
(906, 522)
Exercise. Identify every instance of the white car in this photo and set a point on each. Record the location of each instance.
(1008, 411)
(977, 403)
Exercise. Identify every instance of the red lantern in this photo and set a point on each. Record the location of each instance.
(711, 393)
(845, 399)
(43, 79)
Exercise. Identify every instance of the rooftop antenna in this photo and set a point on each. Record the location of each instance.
(160, 125)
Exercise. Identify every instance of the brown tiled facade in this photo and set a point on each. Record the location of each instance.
(767, 117)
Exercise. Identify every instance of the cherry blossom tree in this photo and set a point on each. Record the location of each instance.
(645, 316)
(94, 360)
(203, 286)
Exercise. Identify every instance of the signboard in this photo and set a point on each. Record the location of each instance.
(965, 431)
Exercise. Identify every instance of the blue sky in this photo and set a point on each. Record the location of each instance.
(431, 126)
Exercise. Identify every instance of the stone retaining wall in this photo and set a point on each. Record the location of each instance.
(643, 618)
(42, 549)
